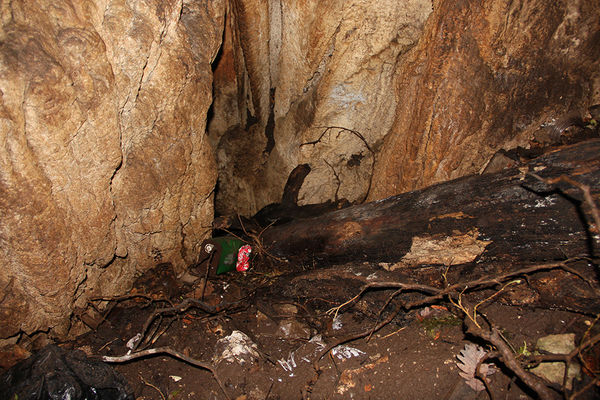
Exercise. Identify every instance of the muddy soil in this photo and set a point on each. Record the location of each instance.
(413, 357)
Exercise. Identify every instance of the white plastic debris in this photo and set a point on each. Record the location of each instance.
(344, 351)
(337, 324)
(133, 341)
(289, 364)
(237, 347)
(305, 353)
(318, 340)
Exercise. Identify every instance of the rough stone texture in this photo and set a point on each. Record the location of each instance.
(295, 69)
(446, 83)
(104, 168)
(486, 75)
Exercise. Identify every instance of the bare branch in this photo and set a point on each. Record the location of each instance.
(172, 353)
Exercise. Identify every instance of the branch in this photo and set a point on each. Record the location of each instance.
(172, 353)
(493, 337)
(182, 307)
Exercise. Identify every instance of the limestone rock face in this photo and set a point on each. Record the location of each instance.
(485, 76)
(314, 85)
(105, 168)
(382, 97)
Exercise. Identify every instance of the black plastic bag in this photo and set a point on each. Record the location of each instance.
(56, 373)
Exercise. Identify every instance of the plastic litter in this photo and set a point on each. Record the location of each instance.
(56, 373)
(236, 348)
(243, 259)
(224, 254)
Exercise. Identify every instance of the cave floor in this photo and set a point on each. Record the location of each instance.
(414, 356)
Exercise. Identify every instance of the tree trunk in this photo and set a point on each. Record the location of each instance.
(508, 216)
(461, 230)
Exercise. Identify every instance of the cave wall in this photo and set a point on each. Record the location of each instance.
(486, 75)
(382, 97)
(105, 168)
(299, 69)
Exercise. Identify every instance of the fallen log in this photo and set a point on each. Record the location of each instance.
(508, 216)
(475, 226)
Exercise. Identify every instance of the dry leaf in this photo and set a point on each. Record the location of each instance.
(470, 357)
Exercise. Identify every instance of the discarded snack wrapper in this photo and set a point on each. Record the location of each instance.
(243, 258)
(220, 253)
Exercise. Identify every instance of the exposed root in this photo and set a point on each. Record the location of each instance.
(173, 353)
(456, 294)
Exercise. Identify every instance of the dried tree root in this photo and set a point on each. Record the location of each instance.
(507, 357)
(436, 294)
(492, 336)
(181, 308)
(162, 396)
(171, 352)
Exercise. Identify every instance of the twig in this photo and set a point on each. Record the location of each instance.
(212, 253)
(148, 336)
(388, 301)
(393, 333)
(173, 353)
(108, 344)
(482, 376)
(494, 295)
(472, 314)
(131, 296)
(491, 336)
(105, 314)
(256, 239)
(269, 391)
(155, 337)
(508, 342)
(336, 309)
(153, 387)
(584, 389)
(459, 304)
(182, 307)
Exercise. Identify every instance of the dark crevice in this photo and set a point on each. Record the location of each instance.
(270, 128)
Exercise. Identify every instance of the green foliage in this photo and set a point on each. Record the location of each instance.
(523, 351)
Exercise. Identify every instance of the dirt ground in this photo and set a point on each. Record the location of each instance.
(413, 357)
